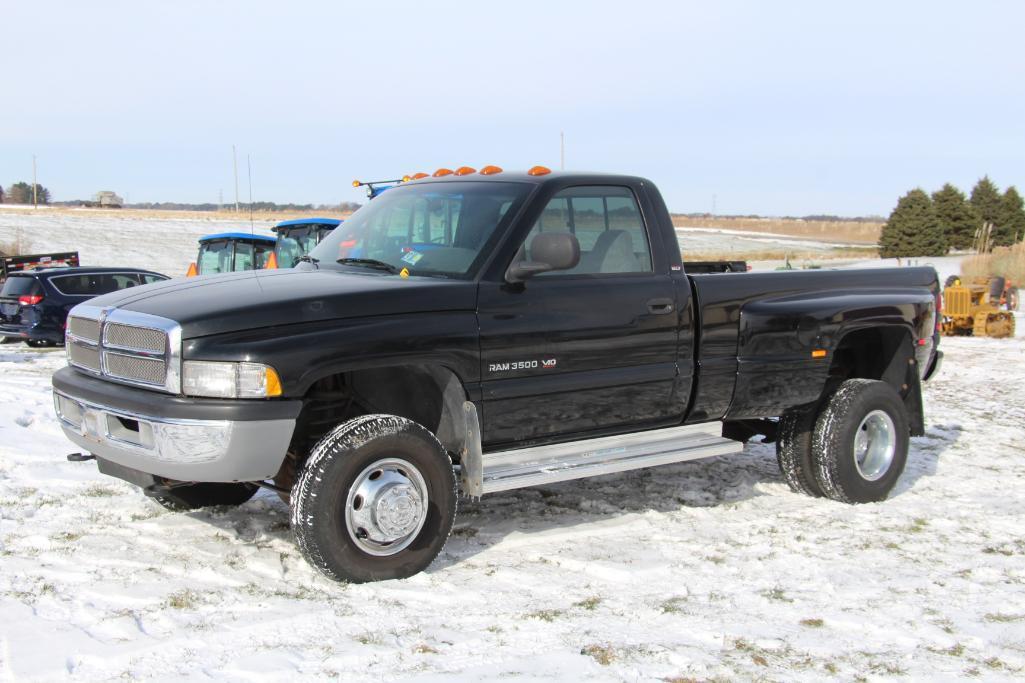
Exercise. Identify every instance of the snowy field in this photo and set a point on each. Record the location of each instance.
(710, 569)
(164, 245)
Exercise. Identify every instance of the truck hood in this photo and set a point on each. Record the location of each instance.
(234, 302)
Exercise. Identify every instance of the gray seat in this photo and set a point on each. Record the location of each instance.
(613, 253)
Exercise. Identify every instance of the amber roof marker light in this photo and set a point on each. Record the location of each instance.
(356, 183)
(442, 172)
(418, 176)
(465, 170)
(490, 170)
(539, 170)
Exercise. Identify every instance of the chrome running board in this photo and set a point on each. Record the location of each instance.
(504, 470)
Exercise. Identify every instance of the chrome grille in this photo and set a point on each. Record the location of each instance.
(135, 368)
(84, 356)
(140, 338)
(83, 328)
(126, 347)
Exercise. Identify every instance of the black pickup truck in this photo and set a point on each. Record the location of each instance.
(484, 332)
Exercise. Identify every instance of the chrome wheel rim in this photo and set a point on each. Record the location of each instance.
(875, 444)
(386, 507)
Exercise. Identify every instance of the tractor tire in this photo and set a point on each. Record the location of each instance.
(196, 496)
(793, 451)
(860, 443)
(376, 500)
(951, 281)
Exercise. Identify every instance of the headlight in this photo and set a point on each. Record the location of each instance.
(229, 380)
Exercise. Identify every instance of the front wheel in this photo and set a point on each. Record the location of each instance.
(861, 442)
(376, 500)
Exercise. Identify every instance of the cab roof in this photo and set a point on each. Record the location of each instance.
(561, 177)
(333, 222)
(237, 236)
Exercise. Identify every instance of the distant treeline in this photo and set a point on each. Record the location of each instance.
(825, 218)
(344, 207)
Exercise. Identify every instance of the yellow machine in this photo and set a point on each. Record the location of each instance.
(976, 309)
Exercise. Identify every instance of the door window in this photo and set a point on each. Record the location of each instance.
(606, 222)
(93, 284)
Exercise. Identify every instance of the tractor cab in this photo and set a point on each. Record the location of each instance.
(297, 238)
(231, 252)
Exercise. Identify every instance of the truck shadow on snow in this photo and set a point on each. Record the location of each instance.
(722, 482)
(719, 483)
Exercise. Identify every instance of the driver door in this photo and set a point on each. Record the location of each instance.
(584, 350)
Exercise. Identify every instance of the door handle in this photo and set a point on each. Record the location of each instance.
(660, 306)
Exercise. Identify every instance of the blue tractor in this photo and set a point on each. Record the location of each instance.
(231, 252)
(297, 238)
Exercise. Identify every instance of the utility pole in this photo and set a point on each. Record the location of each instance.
(562, 151)
(234, 164)
(35, 185)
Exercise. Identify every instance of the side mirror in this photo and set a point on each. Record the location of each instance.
(548, 251)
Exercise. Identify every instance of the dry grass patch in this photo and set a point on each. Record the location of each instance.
(1006, 262)
(603, 654)
(865, 232)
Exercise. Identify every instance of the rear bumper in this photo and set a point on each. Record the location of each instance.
(183, 439)
(31, 332)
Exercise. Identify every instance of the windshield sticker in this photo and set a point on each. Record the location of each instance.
(412, 257)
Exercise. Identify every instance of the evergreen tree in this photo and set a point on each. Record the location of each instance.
(986, 199)
(913, 229)
(956, 216)
(1011, 220)
(1, 194)
(21, 193)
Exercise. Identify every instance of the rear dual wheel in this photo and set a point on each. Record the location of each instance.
(852, 450)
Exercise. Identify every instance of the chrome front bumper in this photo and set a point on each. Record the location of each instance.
(180, 449)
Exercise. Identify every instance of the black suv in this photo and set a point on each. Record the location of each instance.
(34, 305)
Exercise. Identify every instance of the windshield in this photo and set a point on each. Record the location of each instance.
(214, 257)
(428, 229)
(294, 243)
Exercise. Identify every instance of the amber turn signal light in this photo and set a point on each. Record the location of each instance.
(818, 353)
(356, 183)
(490, 170)
(539, 170)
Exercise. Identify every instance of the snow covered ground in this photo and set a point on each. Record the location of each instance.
(710, 569)
(164, 245)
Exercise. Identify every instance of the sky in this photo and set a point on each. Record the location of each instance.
(782, 108)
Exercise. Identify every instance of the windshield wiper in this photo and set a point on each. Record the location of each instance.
(369, 263)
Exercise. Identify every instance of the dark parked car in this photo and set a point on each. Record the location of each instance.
(34, 304)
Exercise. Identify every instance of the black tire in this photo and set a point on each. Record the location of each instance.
(836, 468)
(195, 496)
(320, 498)
(951, 280)
(793, 451)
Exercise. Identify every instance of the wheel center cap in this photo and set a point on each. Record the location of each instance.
(397, 510)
